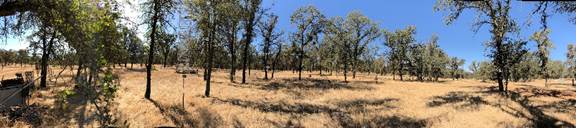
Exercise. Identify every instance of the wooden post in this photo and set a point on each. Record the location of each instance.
(183, 108)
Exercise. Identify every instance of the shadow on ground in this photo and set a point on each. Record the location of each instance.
(341, 112)
(521, 96)
(137, 69)
(360, 105)
(181, 117)
(312, 84)
(464, 100)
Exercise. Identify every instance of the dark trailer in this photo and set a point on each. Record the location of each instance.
(13, 92)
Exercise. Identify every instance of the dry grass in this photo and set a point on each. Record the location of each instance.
(321, 101)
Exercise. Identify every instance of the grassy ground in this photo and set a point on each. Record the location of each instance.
(316, 101)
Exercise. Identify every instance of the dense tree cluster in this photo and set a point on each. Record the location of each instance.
(8, 57)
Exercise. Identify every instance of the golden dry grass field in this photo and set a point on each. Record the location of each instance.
(316, 101)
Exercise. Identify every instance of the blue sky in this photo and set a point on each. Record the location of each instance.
(456, 39)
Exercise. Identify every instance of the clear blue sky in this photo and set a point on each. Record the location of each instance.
(457, 39)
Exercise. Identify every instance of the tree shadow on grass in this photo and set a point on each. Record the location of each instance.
(393, 122)
(34, 115)
(312, 84)
(346, 121)
(359, 105)
(365, 82)
(137, 69)
(342, 114)
(291, 123)
(422, 81)
(176, 114)
(535, 113)
(539, 92)
(467, 100)
(280, 107)
(564, 106)
(539, 119)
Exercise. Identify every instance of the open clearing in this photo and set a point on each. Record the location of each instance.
(316, 101)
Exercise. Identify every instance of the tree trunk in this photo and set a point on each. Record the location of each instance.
(249, 65)
(300, 62)
(165, 60)
(175, 61)
(232, 60)
(249, 27)
(345, 72)
(266, 50)
(310, 69)
(393, 75)
(151, 52)
(80, 63)
(400, 72)
(265, 65)
(265, 72)
(546, 80)
(500, 83)
(354, 66)
(45, 55)
(209, 70)
(276, 60)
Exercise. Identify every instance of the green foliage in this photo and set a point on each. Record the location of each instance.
(504, 52)
(361, 31)
(271, 38)
(62, 98)
(485, 71)
(527, 69)
(571, 61)
(310, 23)
(543, 44)
(455, 70)
(399, 43)
(566, 7)
(556, 69)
